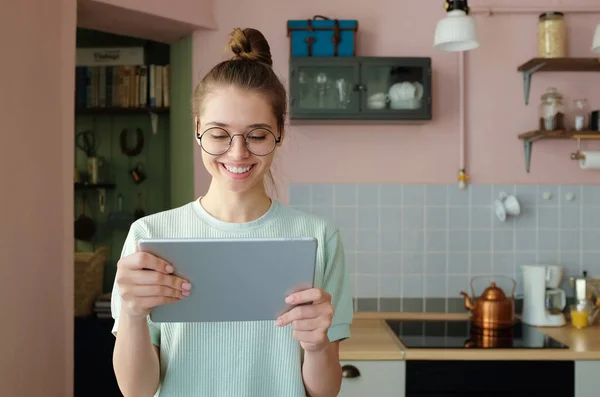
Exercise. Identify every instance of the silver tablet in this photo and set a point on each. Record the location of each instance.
(234, 279)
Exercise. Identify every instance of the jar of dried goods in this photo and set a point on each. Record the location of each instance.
(552, 111)
(552, 35)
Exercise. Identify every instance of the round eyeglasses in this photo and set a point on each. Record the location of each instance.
(217, 141)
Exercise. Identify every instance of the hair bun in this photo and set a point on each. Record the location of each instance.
(250, 44)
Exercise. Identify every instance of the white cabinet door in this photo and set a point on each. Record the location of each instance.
(587, 378)
(373, 379)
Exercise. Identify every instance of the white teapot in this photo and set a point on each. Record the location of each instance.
(406, 95)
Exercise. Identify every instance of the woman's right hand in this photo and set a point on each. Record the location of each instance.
(145, 281)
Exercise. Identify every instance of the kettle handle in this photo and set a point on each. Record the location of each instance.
(514, 288)
(514, 283)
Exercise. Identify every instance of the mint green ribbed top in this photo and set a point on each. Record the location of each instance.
(241, 359)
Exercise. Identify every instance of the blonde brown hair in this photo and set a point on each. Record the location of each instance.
(250, 68)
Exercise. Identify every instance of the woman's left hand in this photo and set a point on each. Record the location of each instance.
(311, 320)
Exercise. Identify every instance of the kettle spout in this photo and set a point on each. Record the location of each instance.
(468, 302)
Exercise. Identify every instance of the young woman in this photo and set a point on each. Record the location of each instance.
(239, 109)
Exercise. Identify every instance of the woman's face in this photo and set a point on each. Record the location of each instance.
(237, 112)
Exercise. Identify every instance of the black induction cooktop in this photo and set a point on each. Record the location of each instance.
(458, 334)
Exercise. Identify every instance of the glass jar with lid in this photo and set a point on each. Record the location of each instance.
(552, 35)
(552, 111)
(581, 113)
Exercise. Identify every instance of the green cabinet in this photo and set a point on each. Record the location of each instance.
(360, 88)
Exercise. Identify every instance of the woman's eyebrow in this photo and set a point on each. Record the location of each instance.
(216, 124)
(225, 125)
(260, 125)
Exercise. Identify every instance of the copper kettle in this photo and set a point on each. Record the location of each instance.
(493, 309)
(497, 339)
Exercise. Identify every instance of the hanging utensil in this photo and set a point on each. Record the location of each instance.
(138, 173)
(84, 226)
(101, 200)
(136, 149)
(86, 141)
(120, 219)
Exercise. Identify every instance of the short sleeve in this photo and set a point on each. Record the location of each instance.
(136, 232)
(336, 281)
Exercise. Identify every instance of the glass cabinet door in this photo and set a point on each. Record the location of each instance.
(394, 87)
(321, 90)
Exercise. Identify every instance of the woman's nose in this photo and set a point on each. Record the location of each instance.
(238, 147)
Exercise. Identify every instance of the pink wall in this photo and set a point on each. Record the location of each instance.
(425, 153)
(36, 170)
(151, 19)
(193, 12)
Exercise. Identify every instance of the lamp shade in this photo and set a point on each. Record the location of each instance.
(596, 42)
(456, 32)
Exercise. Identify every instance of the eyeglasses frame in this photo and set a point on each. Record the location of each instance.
(199, 137)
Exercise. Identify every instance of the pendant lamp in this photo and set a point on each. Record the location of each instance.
(457, 31)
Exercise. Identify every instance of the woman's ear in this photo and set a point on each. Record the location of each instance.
(281, 136)
(197, 130)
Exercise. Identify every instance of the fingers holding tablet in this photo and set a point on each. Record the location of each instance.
(311, 319)
(145, 260)
(150, 277)
(308, 296)
(145, 281)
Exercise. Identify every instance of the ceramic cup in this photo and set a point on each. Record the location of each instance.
(512, 205)
(507, 204)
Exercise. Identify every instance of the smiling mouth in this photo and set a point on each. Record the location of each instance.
(238, 170)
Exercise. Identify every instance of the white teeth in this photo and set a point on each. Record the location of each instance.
(238, 170)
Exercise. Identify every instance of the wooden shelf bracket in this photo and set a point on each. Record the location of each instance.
(529, 138)
(528, 146)
(555, 65)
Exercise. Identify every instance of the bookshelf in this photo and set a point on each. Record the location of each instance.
(112, 96)
(167, 155)
(136, 86)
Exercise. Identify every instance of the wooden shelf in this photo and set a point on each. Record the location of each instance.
(89, 186)
(118, 110)
(529, 137)
(555, 65)
(562, 65)
(560, 135)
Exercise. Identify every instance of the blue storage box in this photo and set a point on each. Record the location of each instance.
(322, 37)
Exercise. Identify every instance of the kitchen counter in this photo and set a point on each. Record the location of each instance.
(372, 339)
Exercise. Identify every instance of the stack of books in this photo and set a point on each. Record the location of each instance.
(119, 77)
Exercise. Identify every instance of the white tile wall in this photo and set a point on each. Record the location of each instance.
(428, 240)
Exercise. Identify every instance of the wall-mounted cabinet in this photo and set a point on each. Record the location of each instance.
(360, 88)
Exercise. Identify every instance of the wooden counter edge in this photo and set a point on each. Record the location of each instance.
(361, 354)
(559, 333)
(501, 355)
